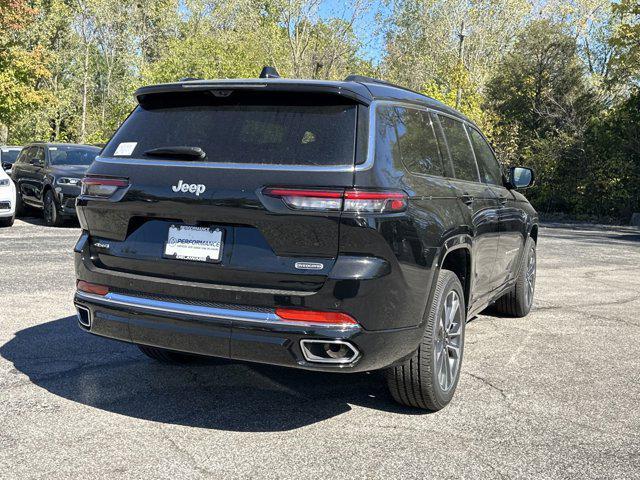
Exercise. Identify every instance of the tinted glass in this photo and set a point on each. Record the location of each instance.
(417, 140)
(487, 163)
(460, 149)
(25, 155)
(9, 156)
(72, 155)
(387, 147)
(38, 156)
(242, 128)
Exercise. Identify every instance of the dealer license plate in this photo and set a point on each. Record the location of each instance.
(199, 244)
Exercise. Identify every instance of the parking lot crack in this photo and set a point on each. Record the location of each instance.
(488, 383)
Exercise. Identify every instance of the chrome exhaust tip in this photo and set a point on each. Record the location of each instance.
(84, 316)
(329, 351)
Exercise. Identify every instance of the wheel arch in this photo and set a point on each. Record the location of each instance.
(456, 257)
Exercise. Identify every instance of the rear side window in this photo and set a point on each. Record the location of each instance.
(462, 157)
(487, 163)
(417, 140)
(242, 127)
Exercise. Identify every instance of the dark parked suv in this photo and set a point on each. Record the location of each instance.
(334, 226)
(48, 176)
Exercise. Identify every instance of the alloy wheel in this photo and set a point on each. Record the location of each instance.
(449, 341)
(530, 276)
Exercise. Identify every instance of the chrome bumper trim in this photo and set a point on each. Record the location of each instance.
(234, 315)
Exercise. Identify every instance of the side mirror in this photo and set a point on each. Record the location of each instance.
(520, 177)
(6, 166)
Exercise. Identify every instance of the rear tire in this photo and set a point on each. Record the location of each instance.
(517, 302)
(429, 378)
(164, 355)
(7, 221)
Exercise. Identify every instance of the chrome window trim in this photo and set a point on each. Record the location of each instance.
(232, 315)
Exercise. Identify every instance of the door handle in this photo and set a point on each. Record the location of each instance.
(503, 200)
(466, 199)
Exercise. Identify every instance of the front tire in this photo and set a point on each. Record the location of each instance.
(517, 302)
(21, 208)
(429, 378)
(52, 216)
(7, 221)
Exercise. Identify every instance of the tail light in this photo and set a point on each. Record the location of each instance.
(88, 287)
(102, 187)
(315, 316)
(348, 200)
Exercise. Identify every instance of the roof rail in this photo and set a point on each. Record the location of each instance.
(364, 79)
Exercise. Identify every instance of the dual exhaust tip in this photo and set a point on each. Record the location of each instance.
(329, 351)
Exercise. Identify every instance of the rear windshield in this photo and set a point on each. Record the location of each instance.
(71, 155)
(9, 155)
(243, 128)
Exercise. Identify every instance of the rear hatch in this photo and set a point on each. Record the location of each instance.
(185, 176)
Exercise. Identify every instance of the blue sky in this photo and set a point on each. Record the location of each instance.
(375, 46)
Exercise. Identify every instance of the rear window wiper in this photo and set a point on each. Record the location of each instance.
(185, 153)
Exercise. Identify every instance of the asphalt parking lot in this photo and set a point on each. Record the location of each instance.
(553, 395)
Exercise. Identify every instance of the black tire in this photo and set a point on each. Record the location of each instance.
(166, 356)
(517, 301)
(50, 212)
(21, 209)
(7, 221)
(417, 382)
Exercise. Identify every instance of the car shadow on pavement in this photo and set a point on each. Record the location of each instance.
(216, 393)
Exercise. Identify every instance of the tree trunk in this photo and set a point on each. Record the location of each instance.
(85, 81)
(4, 134)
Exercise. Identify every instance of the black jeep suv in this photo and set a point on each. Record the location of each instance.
(48, 176)
(336, 226)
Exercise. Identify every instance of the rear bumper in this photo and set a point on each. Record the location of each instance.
(241, 333)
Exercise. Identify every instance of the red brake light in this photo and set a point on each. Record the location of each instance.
(372, 201)
(102, 187)
(92, 288)
(348, 200)
(315, 316)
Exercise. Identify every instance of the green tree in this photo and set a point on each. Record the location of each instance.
(543, 106)
(627, 39)
(423, 49)
(21, 64)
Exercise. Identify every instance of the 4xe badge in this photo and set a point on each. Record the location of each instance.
(196, 188)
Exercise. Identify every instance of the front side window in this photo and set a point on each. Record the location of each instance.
(25, 155)
(38, 156)
(462, 157)
(418, 144)
(487, 163)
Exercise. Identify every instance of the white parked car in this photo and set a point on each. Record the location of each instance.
(7, 200)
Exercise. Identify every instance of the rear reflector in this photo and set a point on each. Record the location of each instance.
(315, 316)
(102, 187)
(92, 288)
(348, 200)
